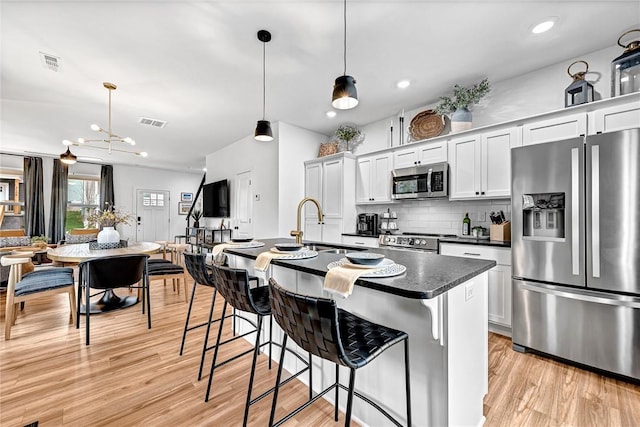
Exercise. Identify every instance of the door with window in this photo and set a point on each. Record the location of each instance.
(152, 215)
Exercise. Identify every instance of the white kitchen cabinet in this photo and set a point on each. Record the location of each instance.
(480, 165)
(331, 181)
(499, 278)
(618, 117)
(421, 153)
(373, 180)
(554, 129)
(365, 241)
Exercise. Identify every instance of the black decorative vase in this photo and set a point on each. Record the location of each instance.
(196, 224)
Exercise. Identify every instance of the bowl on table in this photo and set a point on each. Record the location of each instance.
(288, 247)
(364, 258)
(241, 239)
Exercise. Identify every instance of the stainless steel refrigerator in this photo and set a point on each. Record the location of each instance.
(576, 250)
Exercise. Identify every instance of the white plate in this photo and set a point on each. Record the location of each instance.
(389, 271)
(295, 254)
(246, 245)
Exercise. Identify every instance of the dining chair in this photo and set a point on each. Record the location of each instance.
(106, 273)
(23, 286)
(172, 268)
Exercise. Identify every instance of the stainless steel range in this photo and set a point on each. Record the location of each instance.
(424, 242)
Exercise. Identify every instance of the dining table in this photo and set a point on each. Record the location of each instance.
(76, 253)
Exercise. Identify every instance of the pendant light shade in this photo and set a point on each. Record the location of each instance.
(263, 128)
(345, 95)
(68, 158)
(263, 131)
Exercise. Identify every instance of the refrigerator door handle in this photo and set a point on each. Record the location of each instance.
(595, 210)
(604, 298)
(575, 211)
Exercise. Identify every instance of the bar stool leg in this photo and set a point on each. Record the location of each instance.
(352, 380)
(215, 351)
(270, 339)
(407, 379)
(256, 351)
(186, 323)
(206, 337)
(336, 412)
(278, 377)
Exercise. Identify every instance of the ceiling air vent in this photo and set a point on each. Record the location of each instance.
(52, 62)
(152, 122)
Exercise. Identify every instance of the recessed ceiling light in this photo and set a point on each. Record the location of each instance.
(403, 84)
(331, 114)
(544, 26)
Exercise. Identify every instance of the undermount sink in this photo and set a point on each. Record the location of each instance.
(330, 249)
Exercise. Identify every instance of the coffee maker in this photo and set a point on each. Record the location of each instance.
(367, 224)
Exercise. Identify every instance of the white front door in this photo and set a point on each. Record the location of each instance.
(244, 205)
(152, 215)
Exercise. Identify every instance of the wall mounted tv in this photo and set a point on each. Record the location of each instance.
(215, 199)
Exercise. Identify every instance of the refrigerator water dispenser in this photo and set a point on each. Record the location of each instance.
(543, 216)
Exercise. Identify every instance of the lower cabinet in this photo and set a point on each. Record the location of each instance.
(329, 232)
(499, 278)
(365, 241)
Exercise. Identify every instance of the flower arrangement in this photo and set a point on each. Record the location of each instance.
(109, 217)
(196, 214)
(462, 97)
(40, 241)
(350, 135)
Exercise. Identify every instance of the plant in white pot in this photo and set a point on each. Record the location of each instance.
(458, 106)
(348, 136)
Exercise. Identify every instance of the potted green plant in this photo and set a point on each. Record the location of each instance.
(196, 215)
(458, 106)
(40, 241)
(348, 136)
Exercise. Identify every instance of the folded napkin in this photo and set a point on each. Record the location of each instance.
(340, 280)
(264, 259)
(217, 249)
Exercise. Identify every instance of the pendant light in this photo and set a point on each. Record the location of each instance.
(68, 158)
(263, 128)
(345, 95)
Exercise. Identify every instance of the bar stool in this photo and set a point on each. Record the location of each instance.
(233, 285)
(318, 326)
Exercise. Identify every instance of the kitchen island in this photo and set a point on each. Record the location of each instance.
(440, 301)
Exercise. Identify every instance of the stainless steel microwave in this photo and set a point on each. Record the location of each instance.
(421, 182)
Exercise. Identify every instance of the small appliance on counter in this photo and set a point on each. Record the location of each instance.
(367, 224)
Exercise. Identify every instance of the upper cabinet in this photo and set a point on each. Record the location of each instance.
(373, 178)
(554, 129)
(420, 154)
(480, 164)
(618, 117)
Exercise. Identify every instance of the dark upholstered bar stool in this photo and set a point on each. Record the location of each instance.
(233, 285)
(318, 326)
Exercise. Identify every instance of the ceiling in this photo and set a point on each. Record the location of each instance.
(198, 64)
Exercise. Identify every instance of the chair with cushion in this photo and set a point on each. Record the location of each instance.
(33, 285)
(171, 269)
(319, 327)
(104, 274)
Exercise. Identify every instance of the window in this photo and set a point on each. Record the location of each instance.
(153, 199)
(82, 198)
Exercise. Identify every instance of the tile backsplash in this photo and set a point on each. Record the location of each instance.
(440, 216)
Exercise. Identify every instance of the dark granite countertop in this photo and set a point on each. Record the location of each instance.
(475, 241)
(428, 275)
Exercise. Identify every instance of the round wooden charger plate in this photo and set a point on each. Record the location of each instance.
(426, 124)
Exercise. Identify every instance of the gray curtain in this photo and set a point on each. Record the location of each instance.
(58, 215)
(106, 187)
(33, 197)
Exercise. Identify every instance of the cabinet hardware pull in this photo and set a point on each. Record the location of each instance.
(472, 254)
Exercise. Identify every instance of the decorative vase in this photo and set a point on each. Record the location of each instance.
(461, 120)
(196, 224)
(108, 235)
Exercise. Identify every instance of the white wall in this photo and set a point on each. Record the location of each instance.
(277, 175)
(536, 92)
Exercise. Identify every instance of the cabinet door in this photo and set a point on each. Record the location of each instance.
(405, 158)
(363, 180)
(432, 152)
(464, 162)
(500, 295)
(496, 162)
(332, 230)
(555, 129)
(312, 230)
(381, 178)
(364, 241)
(332, 183)
(620, 117)
(312, 187)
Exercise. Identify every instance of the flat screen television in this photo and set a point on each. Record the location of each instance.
(215, 199)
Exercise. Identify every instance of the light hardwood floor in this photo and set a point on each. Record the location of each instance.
(130, 375)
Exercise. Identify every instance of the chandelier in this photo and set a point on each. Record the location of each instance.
(109, 138)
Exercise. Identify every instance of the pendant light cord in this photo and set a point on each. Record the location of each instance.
(345, 37)
(264, 84)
